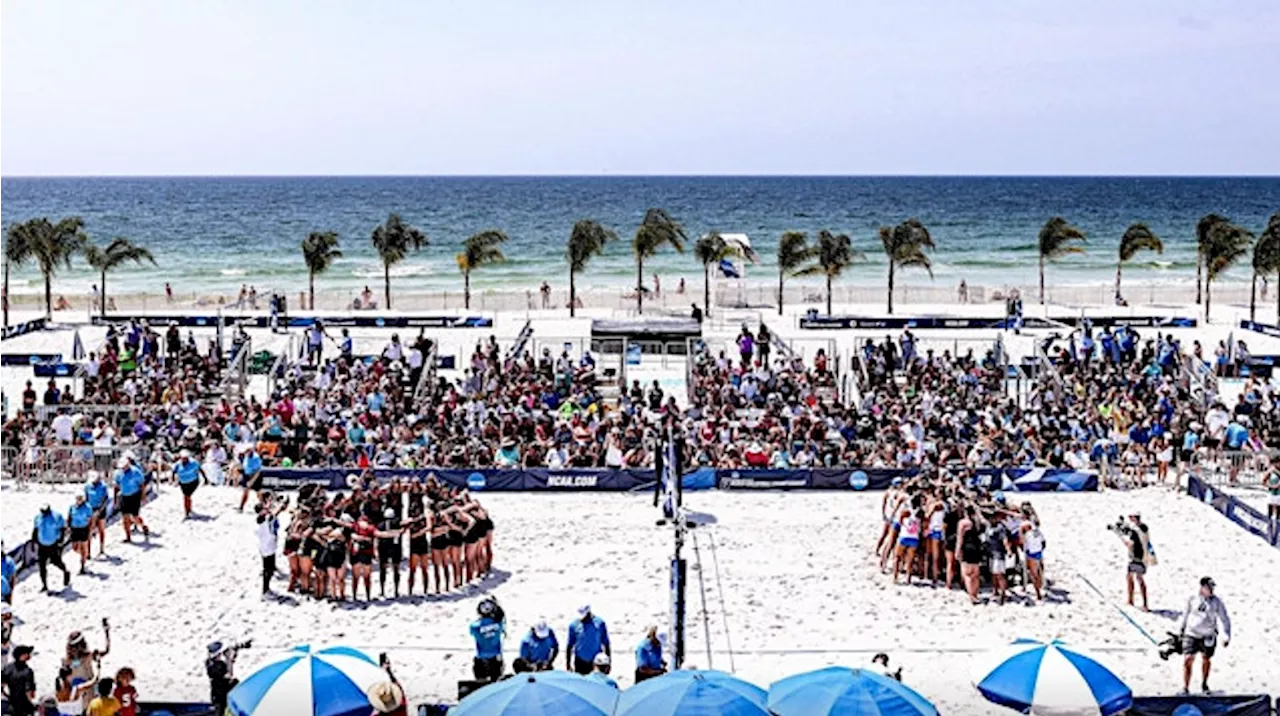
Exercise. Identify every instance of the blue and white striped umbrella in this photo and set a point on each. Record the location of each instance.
(1050, 680)
(306, 681)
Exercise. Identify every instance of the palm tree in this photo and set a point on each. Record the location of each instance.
(479, 250)
(1136, 238)
(657, 229)
(393, 241)
(793, 252)
(1057, 239)
(50, 245)
(120, 251)
(904, 245)
(832, 254)
(1272, 234)
(1266, 258)
(319, 251)
(17, 249)
(587, 239)
(1226, 244)
(1203, 228)
(712, 249)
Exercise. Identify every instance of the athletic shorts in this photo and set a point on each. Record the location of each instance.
(998, 565)
(100, 513)
(935, 536)
(909, 542)
(1137, 568)
(1273, 500)
(394, 554)
(361, 558)
(439, 542)
(189, 488)
(1212, 443)
(1037, 556)
(291, 546)
(80, 534)
(131, 505)
(1199, 645)
(254, 481)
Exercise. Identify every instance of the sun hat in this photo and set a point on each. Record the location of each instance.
(602, 659)
(385, 697)
(541, 630)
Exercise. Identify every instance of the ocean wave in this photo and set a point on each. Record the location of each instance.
(400, 271)
(233, 272)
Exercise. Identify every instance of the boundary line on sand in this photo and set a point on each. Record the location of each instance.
(1115, 606)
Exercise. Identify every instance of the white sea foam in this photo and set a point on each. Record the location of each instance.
(400, 271)
(233, 272)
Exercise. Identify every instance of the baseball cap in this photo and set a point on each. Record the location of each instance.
(541, 629)
(1208, 582)
(6, 610)
(602, 659)
(20, 651)
(584, 610)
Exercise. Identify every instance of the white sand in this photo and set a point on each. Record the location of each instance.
(798, 576)
(20, 505)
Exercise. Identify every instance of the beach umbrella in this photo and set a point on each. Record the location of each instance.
(309, 681)
(694, 693)
(545, 693)
(841, 690)
(1051, 679)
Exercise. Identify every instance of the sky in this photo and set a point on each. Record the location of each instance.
(311, 87)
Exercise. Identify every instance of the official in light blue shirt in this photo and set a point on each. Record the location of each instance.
(189, 474)
(47, 534)
(49, 526)
(588, 636)
(601, 673)
(252, 464)
(649, 657)
(80, 514)
(539, 647)
(1236, 435)
(97, 493)
(129, 480)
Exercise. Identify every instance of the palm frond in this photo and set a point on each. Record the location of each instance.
(832, 254)
(905, 244)
(1225, 245)
(793, 251)
(116, 253)
(320, 250)
(482, 249)
(1138, 237)
(658, 229)
(587, 239)
(394, 239)
(1058, 238)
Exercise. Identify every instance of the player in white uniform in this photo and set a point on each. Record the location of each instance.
(1033, 543)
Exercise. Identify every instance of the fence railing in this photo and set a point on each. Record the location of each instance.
(1235, 468)
(236, 379)
(63, 463)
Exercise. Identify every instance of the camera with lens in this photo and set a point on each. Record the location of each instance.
(220, 667)
(1120, 528)
(489, 607)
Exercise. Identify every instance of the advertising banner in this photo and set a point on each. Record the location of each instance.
(22, 329)
(1235, 510)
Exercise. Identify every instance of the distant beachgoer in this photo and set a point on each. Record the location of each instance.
(62, 304)
(168, 292)
(253, 297)
(97, 495)
(545, 289)
(680, 286)
(657, 286)
(962, 293)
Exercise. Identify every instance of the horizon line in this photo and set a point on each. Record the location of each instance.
(678, 175)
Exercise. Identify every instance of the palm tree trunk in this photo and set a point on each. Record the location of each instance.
(6, 293)
(102, 299)
(639, 285)
(311, 278)
(779, 291)
(1199, 268)
(1041, 279)
(1118, 265)
(891, 286)
(828, 295)
(572, 296)
(386, 283)
(466, 290)
(48, 295)
(706, 289)
(1278, 298)
(1207, 286)
(1253, 297)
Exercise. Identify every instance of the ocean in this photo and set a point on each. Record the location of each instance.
(213, 234)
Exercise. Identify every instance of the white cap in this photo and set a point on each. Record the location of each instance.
(184, 453)
(6, 610)
(541, 630)
(584, 610)
(123, 461)
(602, 659)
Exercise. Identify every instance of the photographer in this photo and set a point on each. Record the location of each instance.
(220, 667)
(488, 632)
(1200, 632)
(1134, 535)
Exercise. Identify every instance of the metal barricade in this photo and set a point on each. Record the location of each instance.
(1236, 468)
(63, 463)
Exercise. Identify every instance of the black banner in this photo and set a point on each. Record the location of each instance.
(1201, 706)
(941, 322)
(1263, 328)
(22, 329)
(17, 359)
(307, 321)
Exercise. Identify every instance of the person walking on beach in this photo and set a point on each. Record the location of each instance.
(588, 636)
(96, 494)
(47, 534)
(80, 517)
(1199, 633)
(251, 475)
(1273, 495)
(189, 474)
(1135, 539)
(129, 483)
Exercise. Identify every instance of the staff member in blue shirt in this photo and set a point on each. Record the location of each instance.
(251, 467)
(538, 650)
(587, 637)
(189, 474)
(649, 661)
(48, 533)
(129, 482)
(96, 493)
(8, 572)
(488, 631)
(80, 516)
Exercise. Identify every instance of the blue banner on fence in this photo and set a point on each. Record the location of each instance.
(942, 322)
(1201, 706)
(22, 329)
(308, 321)
(482, 480)
(20, 359)
(1235, 510)
(54, 370)
(1263, 328)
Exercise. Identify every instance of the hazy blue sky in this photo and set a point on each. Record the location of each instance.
(647, 87)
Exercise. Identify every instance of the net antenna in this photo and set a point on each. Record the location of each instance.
(670, 495)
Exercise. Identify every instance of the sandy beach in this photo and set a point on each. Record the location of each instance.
(817, 599)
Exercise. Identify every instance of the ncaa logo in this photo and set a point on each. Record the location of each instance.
(858, 480)
(475, 482)
(380, 322)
